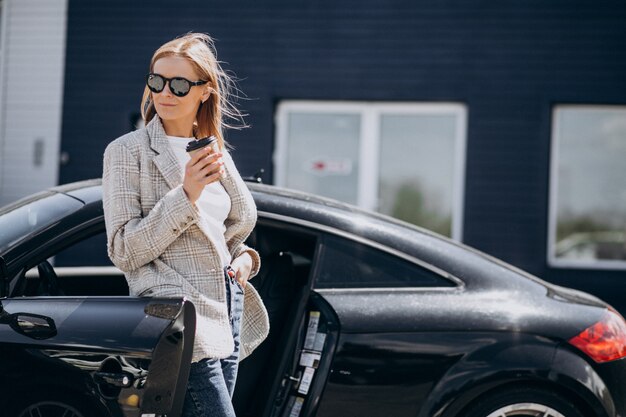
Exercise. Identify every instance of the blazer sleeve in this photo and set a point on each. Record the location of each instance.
(242, 219)
(134, 240)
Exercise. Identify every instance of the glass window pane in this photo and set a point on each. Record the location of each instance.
(591, 197)
(91, 251)
(322, 154)
(32, 215)
(417, 155)
(348, 264)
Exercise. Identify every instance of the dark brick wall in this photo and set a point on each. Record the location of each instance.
(509, 62)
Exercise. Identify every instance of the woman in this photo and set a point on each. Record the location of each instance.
(176, 224)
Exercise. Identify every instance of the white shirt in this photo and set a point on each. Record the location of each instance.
(213, 203)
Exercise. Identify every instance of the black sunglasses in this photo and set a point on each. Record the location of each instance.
(179, 86)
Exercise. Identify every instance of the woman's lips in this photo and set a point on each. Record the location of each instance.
(167, 104)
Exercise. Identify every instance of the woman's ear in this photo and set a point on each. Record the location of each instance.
(207, 93)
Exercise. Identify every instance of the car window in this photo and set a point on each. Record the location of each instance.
(81, 269)
(87, 252)
(19, 221)
(349, 264)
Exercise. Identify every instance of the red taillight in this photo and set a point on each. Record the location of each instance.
(604, 341)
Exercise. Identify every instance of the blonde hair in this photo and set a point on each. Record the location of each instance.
(199, 49)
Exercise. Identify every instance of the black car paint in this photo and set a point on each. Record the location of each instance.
(489, 295)
(136, 345)
(394, 353)
(399, 332)
(123, 320)
(414, 374)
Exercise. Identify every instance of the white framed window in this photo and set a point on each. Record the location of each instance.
(406, 160)
(587, 217)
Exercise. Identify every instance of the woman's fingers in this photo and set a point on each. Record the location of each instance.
(202, 169)
(203, 162)
(203, 157)
(208, 170)
(242, 271)
(204, 166)
(198, 155)
(239, 278)
(209, 159)
(211, 178)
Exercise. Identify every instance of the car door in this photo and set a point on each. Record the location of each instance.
(386, 359)
(72, 343)
(327, 340)
(93, 356)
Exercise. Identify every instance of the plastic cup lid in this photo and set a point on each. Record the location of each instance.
(200, 143)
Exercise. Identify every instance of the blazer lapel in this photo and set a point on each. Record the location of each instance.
(165, 160)
(167, 164)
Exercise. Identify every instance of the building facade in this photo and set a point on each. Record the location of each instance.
(500, 124)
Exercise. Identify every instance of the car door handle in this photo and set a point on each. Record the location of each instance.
(115, 379)
(34, 326)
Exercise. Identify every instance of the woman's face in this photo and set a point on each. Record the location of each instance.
(171, 108)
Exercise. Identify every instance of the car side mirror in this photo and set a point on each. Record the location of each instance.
(35, 326)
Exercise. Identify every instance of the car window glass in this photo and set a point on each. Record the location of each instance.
(34, 216)
(348, 264)
(82, 269)
(91, 251)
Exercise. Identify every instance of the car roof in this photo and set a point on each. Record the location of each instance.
(275, 199)
(460, 262)
(470, 269)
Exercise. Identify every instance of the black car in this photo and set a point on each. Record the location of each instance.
(369, 317)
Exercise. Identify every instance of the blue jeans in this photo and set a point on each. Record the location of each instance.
(212, 381)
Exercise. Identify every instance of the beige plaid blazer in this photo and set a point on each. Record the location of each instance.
(154, 238)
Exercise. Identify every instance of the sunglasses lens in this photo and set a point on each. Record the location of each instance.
(155, 83)
(179, 86)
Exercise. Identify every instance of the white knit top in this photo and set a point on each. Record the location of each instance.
(213, 203)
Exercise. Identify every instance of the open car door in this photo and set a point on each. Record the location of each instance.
(95, 356)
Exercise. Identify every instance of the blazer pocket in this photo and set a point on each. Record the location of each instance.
(163, 290)
(156, 274)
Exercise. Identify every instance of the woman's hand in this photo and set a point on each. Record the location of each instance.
(242, 266)
(203, 168)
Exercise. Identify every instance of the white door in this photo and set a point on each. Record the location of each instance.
(32, 58)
